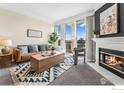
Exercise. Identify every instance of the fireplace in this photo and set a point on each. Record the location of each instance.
(112, 60)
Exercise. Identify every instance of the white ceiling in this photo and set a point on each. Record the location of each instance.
(50, 12)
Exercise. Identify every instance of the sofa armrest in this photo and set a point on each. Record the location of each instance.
(17, 54)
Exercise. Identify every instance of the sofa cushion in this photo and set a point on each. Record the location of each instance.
(42, 47)
(23, 49)
(33, 48)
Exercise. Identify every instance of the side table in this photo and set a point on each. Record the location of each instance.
(5, 60)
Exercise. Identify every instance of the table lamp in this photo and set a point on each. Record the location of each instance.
(5, 43)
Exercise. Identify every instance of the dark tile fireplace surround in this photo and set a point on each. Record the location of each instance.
(112, 60)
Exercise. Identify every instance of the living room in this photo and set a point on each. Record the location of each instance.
(42, 44)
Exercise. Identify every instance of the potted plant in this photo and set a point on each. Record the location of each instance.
(52, 39)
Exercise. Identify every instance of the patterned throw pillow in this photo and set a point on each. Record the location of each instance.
(23, 49)
(33, 48)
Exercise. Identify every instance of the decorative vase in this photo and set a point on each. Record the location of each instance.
(5, 50)
(52, 50)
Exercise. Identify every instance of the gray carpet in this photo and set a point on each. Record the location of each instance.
(5, 77)
(81, 74)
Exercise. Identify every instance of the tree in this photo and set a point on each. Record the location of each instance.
(81, 43)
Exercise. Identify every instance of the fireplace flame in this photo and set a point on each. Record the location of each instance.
(114, 60)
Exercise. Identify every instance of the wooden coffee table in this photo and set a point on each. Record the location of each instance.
(41, 62)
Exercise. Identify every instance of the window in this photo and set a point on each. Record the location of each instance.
(81, 33)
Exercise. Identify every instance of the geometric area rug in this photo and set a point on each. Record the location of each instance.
(23, 75)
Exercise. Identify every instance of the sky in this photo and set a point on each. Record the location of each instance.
(59, 29)
(80, 31)
(68, 32)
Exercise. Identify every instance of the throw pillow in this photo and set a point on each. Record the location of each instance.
(33, 48)
(23, 49)
(42, 47)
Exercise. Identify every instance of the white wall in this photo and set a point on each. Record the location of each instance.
(89, 36)
(14, 26)
(75, 18)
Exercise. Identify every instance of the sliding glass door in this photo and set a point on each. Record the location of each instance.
(81, 33)
(71, 35)
(59, 33)
(68, 38)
